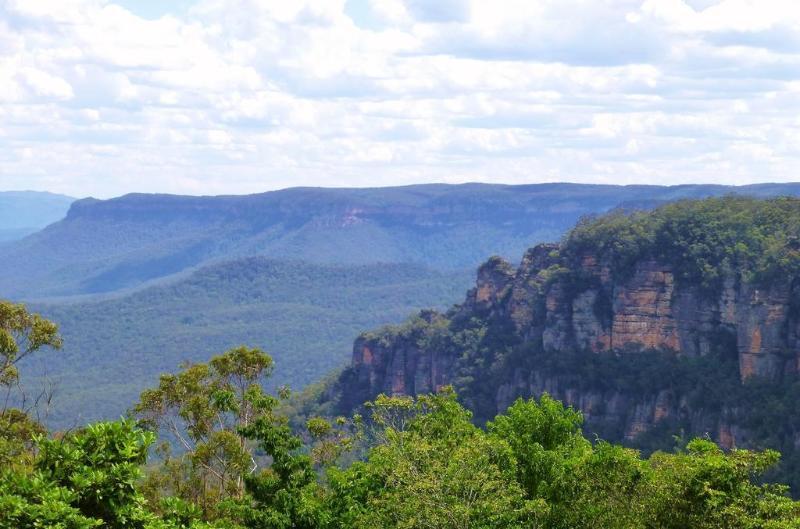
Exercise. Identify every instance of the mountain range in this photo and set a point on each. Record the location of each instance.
(141, 283)
(104, 246)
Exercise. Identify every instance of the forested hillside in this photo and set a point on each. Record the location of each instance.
(306, 316)
(680, 322)
(105, 246)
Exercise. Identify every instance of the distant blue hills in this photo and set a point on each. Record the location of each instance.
(25, 212)
(103, 246)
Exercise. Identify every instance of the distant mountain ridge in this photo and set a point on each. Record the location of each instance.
(25, 212)
(106, 245)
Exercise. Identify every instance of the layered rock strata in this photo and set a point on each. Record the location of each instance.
(556, 305)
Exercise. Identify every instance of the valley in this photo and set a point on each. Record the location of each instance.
(304, 314)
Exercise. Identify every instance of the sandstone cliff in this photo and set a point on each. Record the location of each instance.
(535, 329)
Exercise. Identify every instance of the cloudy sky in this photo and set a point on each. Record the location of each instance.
(235, 96)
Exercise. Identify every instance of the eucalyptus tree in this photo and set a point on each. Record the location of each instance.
(22, 334)
(201, 413)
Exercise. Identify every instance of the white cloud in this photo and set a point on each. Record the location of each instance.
(727, 15)
(248, 95)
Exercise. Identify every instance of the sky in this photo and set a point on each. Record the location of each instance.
(103, 98)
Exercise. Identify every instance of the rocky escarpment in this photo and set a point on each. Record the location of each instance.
(678, 322)
(555, 306)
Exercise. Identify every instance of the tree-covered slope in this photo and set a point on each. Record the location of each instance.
(105, 246)
(24, 212)
(305, 315)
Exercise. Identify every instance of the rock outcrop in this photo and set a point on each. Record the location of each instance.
(557, 305)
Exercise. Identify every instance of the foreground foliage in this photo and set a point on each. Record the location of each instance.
(412, 463)
(21, 335)
(425, 465)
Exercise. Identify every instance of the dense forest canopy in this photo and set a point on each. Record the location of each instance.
(410, 463)
(702, 239)
(105, 362)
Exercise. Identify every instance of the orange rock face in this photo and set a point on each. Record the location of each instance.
(747, 365)
(725, 437)
(366, 355)
(484, 293)
(755, 342)
(643, 310)
(662, 407)
(555, 305)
